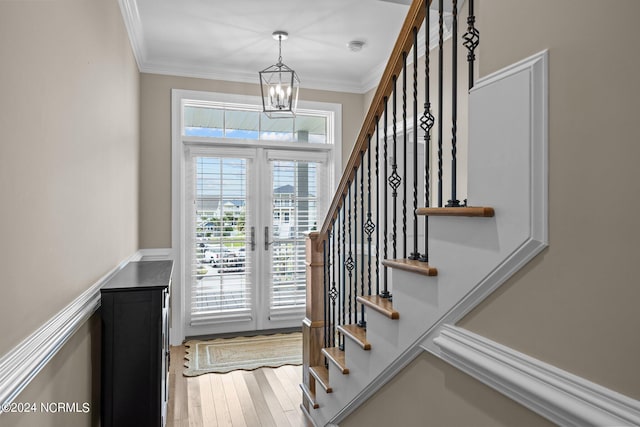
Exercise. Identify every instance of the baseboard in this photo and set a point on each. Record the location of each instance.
(160, 254)
(21, 364)
(559, 396)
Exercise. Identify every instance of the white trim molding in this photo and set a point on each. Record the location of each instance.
(559, 396)
(21, 364)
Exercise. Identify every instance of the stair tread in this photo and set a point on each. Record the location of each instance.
(356, 333)
(336, 356)
(414, 266)
(476, 211)
(321, 374)
(380, 304)
(310, 396)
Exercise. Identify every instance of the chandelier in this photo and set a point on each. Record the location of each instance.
(279, 85)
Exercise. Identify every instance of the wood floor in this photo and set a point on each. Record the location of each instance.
(262, 397)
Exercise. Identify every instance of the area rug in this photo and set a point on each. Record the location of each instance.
(228, 354)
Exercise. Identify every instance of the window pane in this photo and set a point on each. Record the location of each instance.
(241, 124)
(201, 121)
(276, 129)
(312, 129)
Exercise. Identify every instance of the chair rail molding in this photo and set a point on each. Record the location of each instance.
(561, 397)
(22, 363)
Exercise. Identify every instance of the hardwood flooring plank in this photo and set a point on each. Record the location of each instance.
(275, 408)
(222, 410)
(193, 402)
(248, 408)
(259, 401)
(291, 388)
(206, 401)
(181, 406)
(264, 397)
(278, 390)
(233, 401)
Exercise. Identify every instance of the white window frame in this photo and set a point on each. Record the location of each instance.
(179, 156)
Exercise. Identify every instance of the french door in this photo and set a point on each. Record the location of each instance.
(249, 211)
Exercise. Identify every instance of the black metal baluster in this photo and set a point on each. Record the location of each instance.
(404, 152)
(355, 244)
(363, 322)
(342, 278)
(440, 94)
(426, 123)
(326, 292)
(394, 179)
(369, 226)
(415, 254)
(471, 41)
(349, 260)
(454, 202)
(385, 290)
(333, 293)
(377, 225)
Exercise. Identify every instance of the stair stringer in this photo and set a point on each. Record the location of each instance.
(474, 256)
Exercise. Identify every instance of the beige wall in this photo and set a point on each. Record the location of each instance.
(155, 136)
(68, 168)
(575, 305)
(72, 376)
(429, 392)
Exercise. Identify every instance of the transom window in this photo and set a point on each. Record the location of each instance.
(238, 121)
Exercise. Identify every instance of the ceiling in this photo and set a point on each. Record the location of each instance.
(231, 40)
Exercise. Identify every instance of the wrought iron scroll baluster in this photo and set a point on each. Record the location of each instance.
(363, 322)
(349, 260)
(394, 179)
(333, 293)
(325, 288)
(471, 41)
(426, 123)
(369, 226)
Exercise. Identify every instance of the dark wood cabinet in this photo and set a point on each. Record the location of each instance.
(135, 345)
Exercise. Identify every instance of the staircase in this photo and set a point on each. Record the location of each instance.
(389, 268)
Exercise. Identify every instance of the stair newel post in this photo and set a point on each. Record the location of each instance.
(454, 202)
(426, 123)
(471, 41)
(440, 94)
(363, 322)
(313, 323)
(404, 154)
(385, 248)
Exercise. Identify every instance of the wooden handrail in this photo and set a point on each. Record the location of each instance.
(414, 18)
